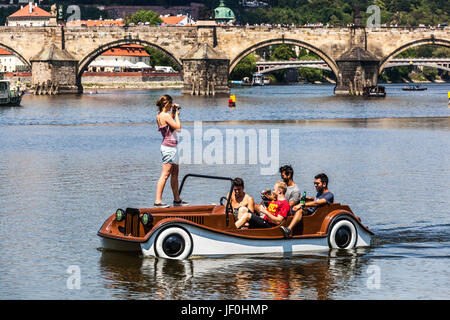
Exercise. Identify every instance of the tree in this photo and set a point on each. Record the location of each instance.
(144, 16)
(245, 68)
(283, 52)
(158, 58)
(310, 74)
(430, 73)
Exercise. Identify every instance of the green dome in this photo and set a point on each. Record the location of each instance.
(223, 13)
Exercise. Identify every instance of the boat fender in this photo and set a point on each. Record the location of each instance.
(173, 243)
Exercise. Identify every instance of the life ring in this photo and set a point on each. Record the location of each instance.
(173, 243)
(343, 234)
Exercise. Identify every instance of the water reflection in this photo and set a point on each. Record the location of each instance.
(310, 276)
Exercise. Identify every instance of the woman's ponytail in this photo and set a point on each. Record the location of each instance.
(163, 101)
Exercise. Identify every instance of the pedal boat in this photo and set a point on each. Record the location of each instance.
(209, 230)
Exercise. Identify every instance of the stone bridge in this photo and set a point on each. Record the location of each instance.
(207, 54)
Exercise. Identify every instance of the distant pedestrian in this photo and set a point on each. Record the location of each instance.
(168, 120)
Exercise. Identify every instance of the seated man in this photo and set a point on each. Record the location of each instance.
(293, 192)
(323, 197)
(241, 202)
(269, 217)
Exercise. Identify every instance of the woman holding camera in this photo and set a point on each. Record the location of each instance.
(168, 120)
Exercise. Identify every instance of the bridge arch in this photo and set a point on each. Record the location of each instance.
(86, 61)
(432, 41)
(329, 61)
(17, 54)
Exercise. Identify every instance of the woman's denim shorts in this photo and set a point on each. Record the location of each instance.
(169, 154)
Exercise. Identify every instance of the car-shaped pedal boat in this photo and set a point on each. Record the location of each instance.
(209, 230)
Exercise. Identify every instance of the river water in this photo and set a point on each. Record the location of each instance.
(68, 162)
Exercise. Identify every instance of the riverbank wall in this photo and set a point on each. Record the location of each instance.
(108, 80)
(131, 80)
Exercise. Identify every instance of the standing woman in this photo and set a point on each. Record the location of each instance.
(168, 120)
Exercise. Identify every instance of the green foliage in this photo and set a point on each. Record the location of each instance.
(144, 16)
(397, 74)
(310, 74)
(283, 52)
(425, 51)
(245, 68)
(430, 73)
(158, 58)
(339, 12)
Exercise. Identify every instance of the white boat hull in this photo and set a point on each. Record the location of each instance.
(208, 243)
(119, 245)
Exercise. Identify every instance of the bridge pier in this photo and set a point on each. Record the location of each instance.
(54, 71)
(357, 69)
(205, 72)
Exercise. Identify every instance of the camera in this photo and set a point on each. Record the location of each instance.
(265, 199)
(175, 107)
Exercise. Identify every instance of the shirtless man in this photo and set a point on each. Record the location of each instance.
(241, 202)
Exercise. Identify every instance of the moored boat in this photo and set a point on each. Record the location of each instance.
(375, 91)
(257, 79)
(209, 230)
(8, 96)
(414, 87)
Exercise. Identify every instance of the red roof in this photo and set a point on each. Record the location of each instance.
(172, 19)
(133, 50)
(4, 52)
(35, 12)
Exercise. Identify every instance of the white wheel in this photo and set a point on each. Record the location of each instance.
(173, 243)
(343, 234)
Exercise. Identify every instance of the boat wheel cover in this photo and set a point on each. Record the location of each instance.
(173, 243)
(343, 234)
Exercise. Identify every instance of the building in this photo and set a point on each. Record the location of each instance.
(95, 23)
(10, 63)
(30, 15)
(178, 20)
(194, 10)
(223, 14)
(131, 57)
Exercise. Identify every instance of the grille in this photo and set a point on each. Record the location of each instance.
(132, 222)
(195, 219)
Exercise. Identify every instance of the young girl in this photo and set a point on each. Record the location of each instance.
(168, 120)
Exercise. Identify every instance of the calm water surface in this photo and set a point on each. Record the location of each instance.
(68, 162)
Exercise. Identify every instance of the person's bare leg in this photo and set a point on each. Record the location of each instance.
(174, 182)
(296, 219)
(165, 172)
(242, 218)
